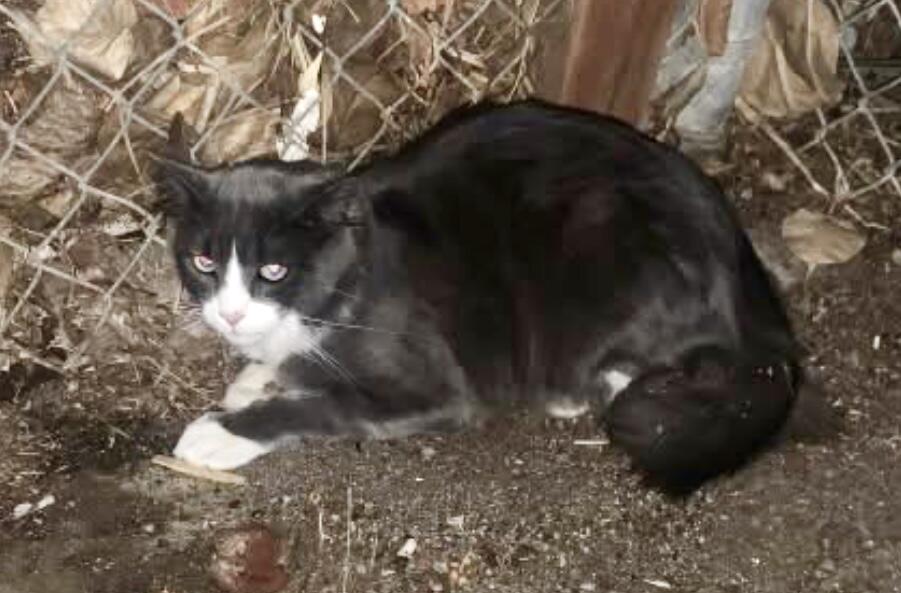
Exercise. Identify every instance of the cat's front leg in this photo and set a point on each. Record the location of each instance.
(206, 442)
(230, 439)
(255, 382)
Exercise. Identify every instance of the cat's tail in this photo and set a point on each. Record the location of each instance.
(682, 427)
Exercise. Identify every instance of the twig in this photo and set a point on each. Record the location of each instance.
(196, 471)
(862, 221)
(346, 569)
(591, 442)
(780, 142)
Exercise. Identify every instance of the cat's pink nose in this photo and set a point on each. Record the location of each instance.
(232, 317)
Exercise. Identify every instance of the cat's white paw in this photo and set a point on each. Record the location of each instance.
(566, 408)
(207, 443)
(249, 386)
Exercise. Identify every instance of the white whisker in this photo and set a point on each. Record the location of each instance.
(336, 364)
(335, 324)
(317, 354)
(336, 290)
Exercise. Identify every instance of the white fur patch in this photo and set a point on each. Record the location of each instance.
(566, 408)
(617, 381)
(207, 443)
(249, 386)
(267, 332)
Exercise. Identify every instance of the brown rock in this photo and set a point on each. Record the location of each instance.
(249, 559)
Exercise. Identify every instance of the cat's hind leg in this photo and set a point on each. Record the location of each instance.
(610, 382)
(682, 427)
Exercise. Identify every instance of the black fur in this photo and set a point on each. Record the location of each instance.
(510, 256)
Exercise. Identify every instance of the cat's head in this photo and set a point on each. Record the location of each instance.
(261, 244)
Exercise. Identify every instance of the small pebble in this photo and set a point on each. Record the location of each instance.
(456, 521)
(827, 565)
(20, 510)
(407, 549)
(248, 560)
(45, 502)
(774, 182)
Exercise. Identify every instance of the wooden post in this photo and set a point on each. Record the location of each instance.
(615, 47)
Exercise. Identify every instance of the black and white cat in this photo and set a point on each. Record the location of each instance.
(518, 255)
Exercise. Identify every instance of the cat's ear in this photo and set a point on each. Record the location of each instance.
(332, 197)
(340, 204)
(346, 211)
(181, 185)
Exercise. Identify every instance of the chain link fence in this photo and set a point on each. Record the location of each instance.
(84, 273)
(85, 278)
(849, 154)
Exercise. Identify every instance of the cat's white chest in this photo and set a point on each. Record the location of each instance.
(289, 337)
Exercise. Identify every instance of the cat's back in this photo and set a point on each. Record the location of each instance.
(543, 239)
(532, 172)
(532, 154)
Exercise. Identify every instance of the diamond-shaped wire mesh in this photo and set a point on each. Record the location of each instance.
(85, 278)
(851, 151)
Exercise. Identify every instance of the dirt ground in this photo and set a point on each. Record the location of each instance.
(517, 507)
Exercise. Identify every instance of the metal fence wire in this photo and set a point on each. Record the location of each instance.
(84, 275)
(85, 278)
(849, 153)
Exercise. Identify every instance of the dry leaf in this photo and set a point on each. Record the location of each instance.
(420, 6)
(182, 93)
(352, 117)
(244, 135)
(794, 67)
(177, 8)
(818, 239)
(7, 261)
(243, 51)
(239, 54)
(98, 31)
(63, 128)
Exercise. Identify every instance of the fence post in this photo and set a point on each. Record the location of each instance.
(614, 50)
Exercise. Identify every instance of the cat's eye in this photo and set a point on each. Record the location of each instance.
(273, 272)
(204, 264)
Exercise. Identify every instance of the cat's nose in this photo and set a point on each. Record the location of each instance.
(232, 317)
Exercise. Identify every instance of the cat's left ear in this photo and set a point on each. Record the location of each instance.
(181, 185)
